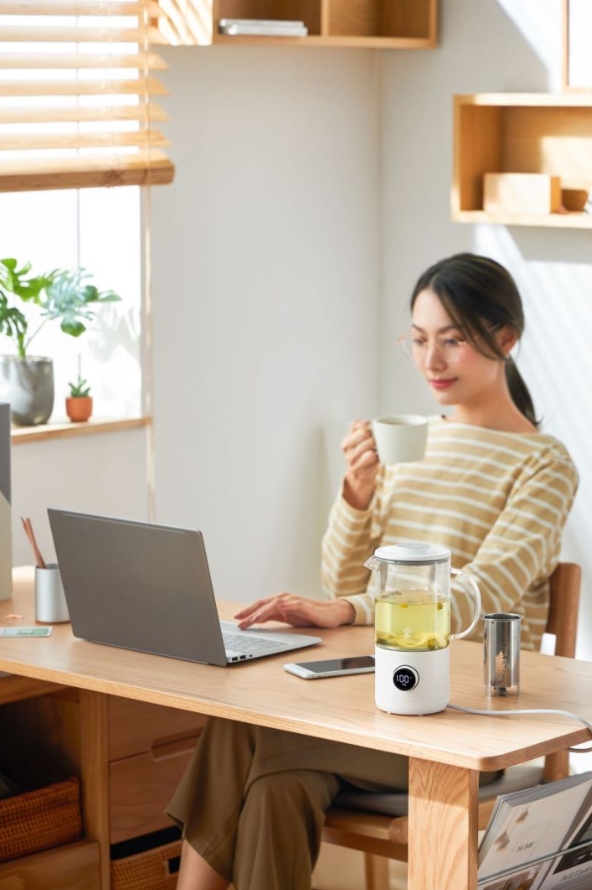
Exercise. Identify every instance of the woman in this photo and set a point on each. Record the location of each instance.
(491, 488)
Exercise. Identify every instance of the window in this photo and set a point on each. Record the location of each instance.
(79, 110)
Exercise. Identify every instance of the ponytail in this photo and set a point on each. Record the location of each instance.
(519, 391)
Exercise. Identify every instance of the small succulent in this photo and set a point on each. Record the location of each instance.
(80, 389)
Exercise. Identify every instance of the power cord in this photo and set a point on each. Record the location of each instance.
(569, 714)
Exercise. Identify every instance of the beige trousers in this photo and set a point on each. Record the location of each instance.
(253, 800)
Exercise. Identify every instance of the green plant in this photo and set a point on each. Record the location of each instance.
(61, 294)
(80, 389)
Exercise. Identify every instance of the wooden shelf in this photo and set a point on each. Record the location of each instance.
(14, 688)
(75, 866)
(559, 220)
(65, 430)
(350, 41)
(392, 24)
(522, 133)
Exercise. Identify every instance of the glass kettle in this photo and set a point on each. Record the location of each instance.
(412, 625)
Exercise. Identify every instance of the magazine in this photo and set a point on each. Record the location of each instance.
(573, 870)
(533, 823)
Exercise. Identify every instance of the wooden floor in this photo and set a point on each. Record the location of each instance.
(342, 869)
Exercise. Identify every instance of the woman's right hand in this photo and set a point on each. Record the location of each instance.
(299, 611)
(359, 448)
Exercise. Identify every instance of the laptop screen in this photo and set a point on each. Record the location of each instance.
(138, 585)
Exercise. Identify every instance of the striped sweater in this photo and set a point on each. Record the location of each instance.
(497, 500)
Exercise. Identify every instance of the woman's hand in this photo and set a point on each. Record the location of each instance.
(359, 448)
(298, 611)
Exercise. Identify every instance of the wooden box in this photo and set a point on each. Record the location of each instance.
(521, 193)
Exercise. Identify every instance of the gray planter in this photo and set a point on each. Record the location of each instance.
(27, 383)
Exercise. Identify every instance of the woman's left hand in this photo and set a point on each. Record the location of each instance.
(298, 611)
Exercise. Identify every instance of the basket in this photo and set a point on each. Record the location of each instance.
(38, 820)
(153, 863)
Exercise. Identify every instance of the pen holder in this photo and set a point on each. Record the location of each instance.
(501, 640)
(50, 602)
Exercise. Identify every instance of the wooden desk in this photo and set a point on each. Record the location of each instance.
(446, 750)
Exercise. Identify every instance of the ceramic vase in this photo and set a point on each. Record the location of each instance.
(27, 383)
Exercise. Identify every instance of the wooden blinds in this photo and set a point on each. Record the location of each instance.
(77, 95)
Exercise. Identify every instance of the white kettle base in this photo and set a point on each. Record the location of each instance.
(412, 682)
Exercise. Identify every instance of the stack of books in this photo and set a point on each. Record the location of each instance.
(262, 28)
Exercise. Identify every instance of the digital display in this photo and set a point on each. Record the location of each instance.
(405, 678)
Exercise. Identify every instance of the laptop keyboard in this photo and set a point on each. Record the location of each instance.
(245, 644)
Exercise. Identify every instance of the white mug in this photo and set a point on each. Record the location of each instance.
(400, 437)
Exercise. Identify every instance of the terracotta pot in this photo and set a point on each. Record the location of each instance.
(79, 408)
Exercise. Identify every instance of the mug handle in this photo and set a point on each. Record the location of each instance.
(477, 595)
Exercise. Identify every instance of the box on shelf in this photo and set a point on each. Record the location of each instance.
(149, 862)
(521, 193)
(40, 819)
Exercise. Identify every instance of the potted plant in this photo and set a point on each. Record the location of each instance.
(79, 403)
(62, 294)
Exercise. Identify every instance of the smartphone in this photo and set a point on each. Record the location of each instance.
(331, 667)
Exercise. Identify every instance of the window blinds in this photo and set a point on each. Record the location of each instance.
(77, 95)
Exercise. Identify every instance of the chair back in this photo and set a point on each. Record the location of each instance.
(564, 604)
(562, 622)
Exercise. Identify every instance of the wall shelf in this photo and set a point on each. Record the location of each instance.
(65, 430)
(387, 24)
(522, 133)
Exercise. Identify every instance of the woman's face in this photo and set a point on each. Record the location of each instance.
(456, 373)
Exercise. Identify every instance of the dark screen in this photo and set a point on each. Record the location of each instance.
(339, 664)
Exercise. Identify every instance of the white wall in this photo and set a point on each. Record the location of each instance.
(103, 473)
(266, 292)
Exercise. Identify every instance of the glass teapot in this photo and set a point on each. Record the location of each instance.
(412, 597)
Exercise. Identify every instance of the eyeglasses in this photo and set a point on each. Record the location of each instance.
(416, 346)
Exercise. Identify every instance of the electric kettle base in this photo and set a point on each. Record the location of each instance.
(412, 682)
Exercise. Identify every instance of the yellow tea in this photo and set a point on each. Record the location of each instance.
(412, 620)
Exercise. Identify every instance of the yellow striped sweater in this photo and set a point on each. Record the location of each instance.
(497, 500)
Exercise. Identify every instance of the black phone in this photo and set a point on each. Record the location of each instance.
(331, 667)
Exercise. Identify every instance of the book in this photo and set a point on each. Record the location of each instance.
(528, 825)
(262, 27)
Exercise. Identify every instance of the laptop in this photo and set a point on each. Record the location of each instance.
(142, 586)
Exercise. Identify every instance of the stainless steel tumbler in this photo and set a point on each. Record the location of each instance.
(50, 602)
(501, 639)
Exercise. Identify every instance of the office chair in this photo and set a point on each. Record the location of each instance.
(376, 824)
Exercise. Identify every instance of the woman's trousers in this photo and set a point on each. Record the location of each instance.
(253, 800)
